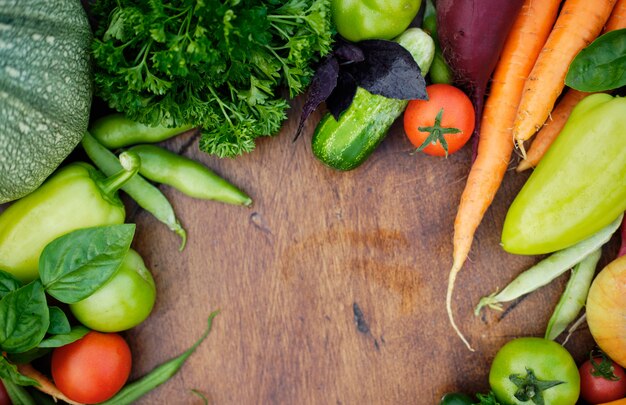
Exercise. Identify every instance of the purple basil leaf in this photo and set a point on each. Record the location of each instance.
(347, 52)
(389, 70)
(341, 98)
(322, 85)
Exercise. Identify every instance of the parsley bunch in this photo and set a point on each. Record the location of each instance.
(218, 64)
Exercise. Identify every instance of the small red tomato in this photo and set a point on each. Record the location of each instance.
(92, 369)
(442, 124)
(602, 380)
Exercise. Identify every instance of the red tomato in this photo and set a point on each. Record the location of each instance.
(442, 124)
(4, 395)
(599, 389)
(92, 369)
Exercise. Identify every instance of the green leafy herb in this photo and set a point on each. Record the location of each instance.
(24, 317)
(214, 64)
(8, 283)
(73, 335)
(58, 322)
(601, 66)
(75, 265)
(9, 372)
(135, 390)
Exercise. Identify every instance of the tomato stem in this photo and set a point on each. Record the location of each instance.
(530, 388)
(436, 133)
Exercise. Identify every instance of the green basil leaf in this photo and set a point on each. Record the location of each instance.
(601, 66)
(75, 265)
(8, 283)
(9, 372)
(76, 333)
(59, 324)
(24, 318)
(27, 357)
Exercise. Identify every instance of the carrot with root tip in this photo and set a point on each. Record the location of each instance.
(523, 44)
(551, 129)
(578, 24)
(562, 111)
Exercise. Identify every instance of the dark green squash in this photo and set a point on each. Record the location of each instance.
(45, 89)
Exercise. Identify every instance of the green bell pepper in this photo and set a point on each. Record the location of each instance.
(357, 20)
(77, 196)
(579, 186)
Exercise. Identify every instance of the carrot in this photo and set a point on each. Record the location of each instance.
(617, 20)
(559, 116)
(579, 23)
(521, 49)
(551, 129)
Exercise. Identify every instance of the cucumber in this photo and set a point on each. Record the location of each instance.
(345, 144)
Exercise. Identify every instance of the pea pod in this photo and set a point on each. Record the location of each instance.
(116, 131)
(574, 296)
(135, 390)
(147, 196)
(77, 196)
(439, 72)
(579, 186)
(187, 176)
(549, 268)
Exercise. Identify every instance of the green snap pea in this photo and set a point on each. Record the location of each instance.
(135, 390)
(439, 71)
(139, 189)
(549, 268)
(186, 175)
(116, 131)
(574, 296)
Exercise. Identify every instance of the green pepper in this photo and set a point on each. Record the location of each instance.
(357, 20)
(77, 196)
(579, 186)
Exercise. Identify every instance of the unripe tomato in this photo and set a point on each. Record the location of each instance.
(357, 20)
(92, 369)
(123, 302)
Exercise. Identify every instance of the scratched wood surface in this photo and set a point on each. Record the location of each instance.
(331, 287)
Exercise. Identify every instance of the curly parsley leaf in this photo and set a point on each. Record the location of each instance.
(215, 64)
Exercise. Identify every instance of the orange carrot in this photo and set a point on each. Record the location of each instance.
(559, 116)
(522, 47)
(579, 23)
(551, 129)
(617, 20)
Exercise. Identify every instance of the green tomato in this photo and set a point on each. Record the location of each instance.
(456, 398)
(357, 20)
(527, 368)
(579, 187)
(123, 302)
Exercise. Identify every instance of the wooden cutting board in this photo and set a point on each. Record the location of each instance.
(331, 288)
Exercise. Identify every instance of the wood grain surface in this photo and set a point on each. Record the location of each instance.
(331, 288)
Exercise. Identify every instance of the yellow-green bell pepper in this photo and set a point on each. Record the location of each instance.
(579, 186)
(77, 196)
